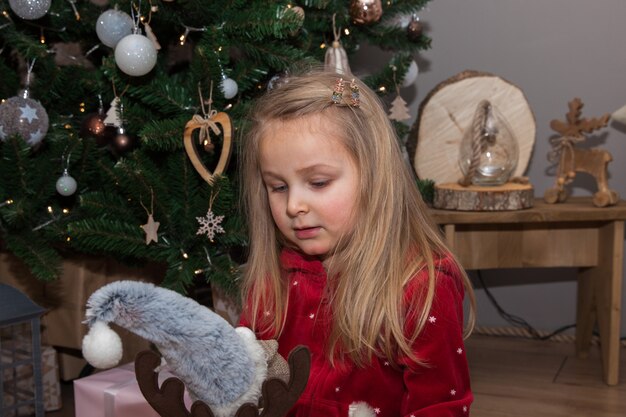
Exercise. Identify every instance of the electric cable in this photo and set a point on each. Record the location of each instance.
(519, 322)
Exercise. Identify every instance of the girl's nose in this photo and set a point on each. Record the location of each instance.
(296, 205)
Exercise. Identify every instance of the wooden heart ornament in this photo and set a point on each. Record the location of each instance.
(206, 125)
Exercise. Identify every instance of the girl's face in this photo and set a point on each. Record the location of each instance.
(311, 182)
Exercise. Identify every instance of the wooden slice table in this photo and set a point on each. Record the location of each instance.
(571, 234)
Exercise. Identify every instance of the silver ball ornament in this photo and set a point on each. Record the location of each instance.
(30, 9)
(66, 184)
(113, 25)
(25, 117)
(411, 75)
(135, 55)
(229, 88)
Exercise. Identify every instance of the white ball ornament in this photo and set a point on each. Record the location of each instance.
(113, 25)
(229, 88)
(25, 117)
(135, 55)
(411, 75)
(30, 9)
(66, 184)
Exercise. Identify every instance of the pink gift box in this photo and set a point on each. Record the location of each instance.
(114, 393)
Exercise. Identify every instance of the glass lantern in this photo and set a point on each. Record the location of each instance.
(489, 150)
(20, 354)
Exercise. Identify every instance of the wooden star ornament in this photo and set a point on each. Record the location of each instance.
(151, 228)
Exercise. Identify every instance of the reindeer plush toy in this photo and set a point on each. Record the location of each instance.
(226, 370)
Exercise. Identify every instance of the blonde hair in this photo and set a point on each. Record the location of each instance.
(392, 240)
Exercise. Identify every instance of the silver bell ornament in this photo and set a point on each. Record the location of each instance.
(135, 55)
(113, 25)
(30, 9)
(21, 115)
(336, 58)
(66, 184)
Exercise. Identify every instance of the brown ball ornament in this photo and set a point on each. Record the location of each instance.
(414, 29)
(122, 142)
(365, 12)
(93, 127)
(299, 11)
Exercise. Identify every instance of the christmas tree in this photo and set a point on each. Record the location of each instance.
(118, 118)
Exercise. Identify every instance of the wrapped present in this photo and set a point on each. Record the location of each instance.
(21, 377)
(114, 393)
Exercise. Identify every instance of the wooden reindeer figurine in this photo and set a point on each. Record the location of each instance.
(572, 159)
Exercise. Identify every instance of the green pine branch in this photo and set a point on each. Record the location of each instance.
(250, 41)
(104, 205)
(43, 261)
(164, 135)
(116, 237)
(167, 93)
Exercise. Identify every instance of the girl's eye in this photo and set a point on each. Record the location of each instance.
(278, 188)
(320, 183)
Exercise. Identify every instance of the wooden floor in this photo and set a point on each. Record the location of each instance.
(518, 377)
(514, 377)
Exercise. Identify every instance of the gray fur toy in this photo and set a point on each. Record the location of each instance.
(220, 365)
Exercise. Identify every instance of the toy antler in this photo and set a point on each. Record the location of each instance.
(277, 399)
(167, 400)
(575, 126)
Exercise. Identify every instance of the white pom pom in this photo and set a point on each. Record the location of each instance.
(361, 409)
(102, 347)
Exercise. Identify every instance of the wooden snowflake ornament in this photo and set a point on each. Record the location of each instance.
(210, 225)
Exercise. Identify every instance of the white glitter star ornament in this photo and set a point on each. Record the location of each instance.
(210, 224)
(23, 116)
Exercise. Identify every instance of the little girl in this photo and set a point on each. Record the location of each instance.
(344, 258)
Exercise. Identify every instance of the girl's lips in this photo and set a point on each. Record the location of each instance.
(306, 232)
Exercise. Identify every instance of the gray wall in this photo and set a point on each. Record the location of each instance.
(554, 50)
